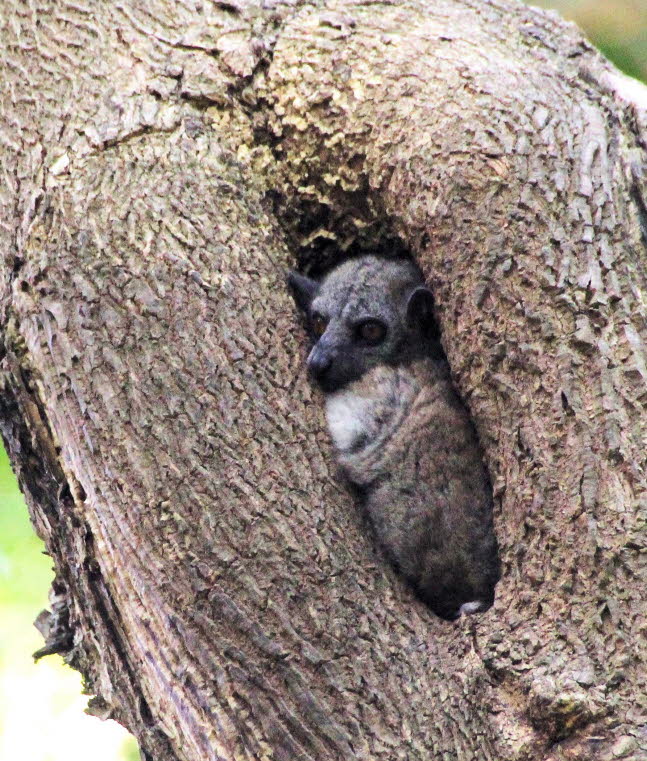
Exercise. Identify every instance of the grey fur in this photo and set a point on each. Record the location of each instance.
(403, 436)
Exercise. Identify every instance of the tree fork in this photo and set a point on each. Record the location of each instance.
(214, 582)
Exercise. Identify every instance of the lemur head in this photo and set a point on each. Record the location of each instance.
(366, 312)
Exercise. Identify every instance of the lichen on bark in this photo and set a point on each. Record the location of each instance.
(164, 164)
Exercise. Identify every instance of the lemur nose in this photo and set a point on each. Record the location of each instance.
(319, 364)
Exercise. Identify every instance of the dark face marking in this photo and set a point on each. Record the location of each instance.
(371, 332)
(367, 311)
(318, 325)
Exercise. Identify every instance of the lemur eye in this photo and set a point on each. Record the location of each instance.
(371, 331)
(318, 325)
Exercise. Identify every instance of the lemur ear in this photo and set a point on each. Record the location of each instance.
(303, 289)
(420, 309)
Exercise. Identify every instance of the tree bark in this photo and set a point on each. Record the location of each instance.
(163, 164)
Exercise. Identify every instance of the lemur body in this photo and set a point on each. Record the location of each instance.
(402, 435)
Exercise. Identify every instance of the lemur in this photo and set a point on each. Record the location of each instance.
(403, 436)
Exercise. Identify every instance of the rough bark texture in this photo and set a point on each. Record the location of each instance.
(163, 163)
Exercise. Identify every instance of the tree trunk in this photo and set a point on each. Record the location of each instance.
(163, 164)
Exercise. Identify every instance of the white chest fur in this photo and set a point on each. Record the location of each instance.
(349, 417)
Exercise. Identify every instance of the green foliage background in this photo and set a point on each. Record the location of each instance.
(617, 27)
(41, 706)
